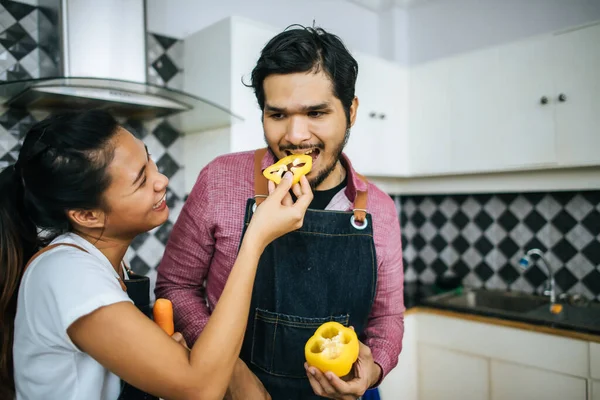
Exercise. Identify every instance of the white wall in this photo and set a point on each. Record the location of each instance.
(357, 26)
(440, 28)
(393, 35)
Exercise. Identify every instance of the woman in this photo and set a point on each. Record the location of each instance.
(88, 184)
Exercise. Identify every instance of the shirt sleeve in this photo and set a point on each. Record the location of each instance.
(66, 285)
(385, 328)
(185, 263)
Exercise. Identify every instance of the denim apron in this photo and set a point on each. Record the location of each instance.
(324, 271)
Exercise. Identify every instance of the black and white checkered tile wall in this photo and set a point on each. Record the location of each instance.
(24, 55)
(482, 238)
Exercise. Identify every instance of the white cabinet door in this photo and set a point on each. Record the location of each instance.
(248, 39)
(430, 137)
(497, 120)
(513, 382)
(449, 375)
(524, 131)
(595, 390)
(401, 382)
(595, 360)
(378, 144)
(577, 66)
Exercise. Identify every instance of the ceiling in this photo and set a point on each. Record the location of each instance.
(381, 5)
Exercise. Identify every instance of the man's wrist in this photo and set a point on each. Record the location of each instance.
(376, 374)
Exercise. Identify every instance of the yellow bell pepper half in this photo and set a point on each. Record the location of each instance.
(298, 164)
(333, 348)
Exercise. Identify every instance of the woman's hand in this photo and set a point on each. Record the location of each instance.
(278, 214)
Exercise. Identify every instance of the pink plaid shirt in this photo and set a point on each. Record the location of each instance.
(204, 241)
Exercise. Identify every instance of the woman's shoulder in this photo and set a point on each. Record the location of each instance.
(68, 261)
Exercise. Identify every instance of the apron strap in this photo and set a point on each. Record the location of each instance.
(261, 190)
(50, 247)
(360, 203)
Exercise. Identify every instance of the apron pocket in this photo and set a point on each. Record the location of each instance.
(278, 341)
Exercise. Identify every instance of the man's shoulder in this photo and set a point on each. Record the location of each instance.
(381, 204)
(232, 160)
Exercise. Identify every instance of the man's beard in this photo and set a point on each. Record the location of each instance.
(323, 174)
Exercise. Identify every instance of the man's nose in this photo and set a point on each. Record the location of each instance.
(297, 130)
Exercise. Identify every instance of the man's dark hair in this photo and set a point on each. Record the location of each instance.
(304, 49)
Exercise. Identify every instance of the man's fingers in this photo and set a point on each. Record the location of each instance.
(317, 389)
(323, 381)
(354, 386)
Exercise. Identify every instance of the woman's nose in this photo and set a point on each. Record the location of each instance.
(161, 182)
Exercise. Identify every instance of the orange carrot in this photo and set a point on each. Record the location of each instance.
(163, 315)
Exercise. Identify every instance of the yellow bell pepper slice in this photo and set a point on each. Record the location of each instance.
(333, 348)
(298, 164)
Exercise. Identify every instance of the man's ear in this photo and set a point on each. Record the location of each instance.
(87, 218)
(353, 110)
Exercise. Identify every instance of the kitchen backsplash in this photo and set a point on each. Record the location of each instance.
(24, 56)
(482, 237)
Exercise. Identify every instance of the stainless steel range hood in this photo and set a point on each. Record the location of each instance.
(98, 53)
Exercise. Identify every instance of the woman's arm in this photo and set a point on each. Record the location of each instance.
(129, 344)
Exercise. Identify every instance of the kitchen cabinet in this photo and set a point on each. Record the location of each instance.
(483, 111)
(447, 374)
(430, 142)
(225, 54)
(511, 381)
(378, 143)
(526, 105)
(448, 357)
(595, 388)
(401, 382)
(576, 96)
(595, 360)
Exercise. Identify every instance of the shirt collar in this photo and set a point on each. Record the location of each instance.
(355, 183)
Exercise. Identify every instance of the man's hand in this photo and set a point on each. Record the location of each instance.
(244, 385)
(365, 373)
(178, 337)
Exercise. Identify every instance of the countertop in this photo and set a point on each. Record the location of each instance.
(573, 323)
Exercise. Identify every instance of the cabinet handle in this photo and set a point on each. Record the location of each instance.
(544, 100)
(562, 97)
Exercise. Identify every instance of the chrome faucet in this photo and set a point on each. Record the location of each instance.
(526, 262)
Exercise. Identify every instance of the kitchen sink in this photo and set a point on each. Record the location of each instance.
(517, 306)
(494, 300)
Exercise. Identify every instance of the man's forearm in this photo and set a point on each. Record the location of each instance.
(190, 312)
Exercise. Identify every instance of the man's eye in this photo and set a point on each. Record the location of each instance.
(277, 116)
(315, 114)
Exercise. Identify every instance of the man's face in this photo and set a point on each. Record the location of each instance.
(302, 115)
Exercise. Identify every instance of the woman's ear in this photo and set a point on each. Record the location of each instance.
(87, 218)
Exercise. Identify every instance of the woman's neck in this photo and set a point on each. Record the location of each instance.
(113, 249)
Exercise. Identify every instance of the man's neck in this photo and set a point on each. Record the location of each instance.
(335, 177)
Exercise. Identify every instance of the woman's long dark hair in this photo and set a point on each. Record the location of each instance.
(61, 166)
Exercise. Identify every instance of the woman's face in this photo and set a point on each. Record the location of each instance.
(136, 197)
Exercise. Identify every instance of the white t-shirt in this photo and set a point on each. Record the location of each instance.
(60, 286)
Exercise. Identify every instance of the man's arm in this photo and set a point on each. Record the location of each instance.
(385, 327)
(186, 260)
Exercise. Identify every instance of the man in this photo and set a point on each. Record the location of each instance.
(344, 264)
